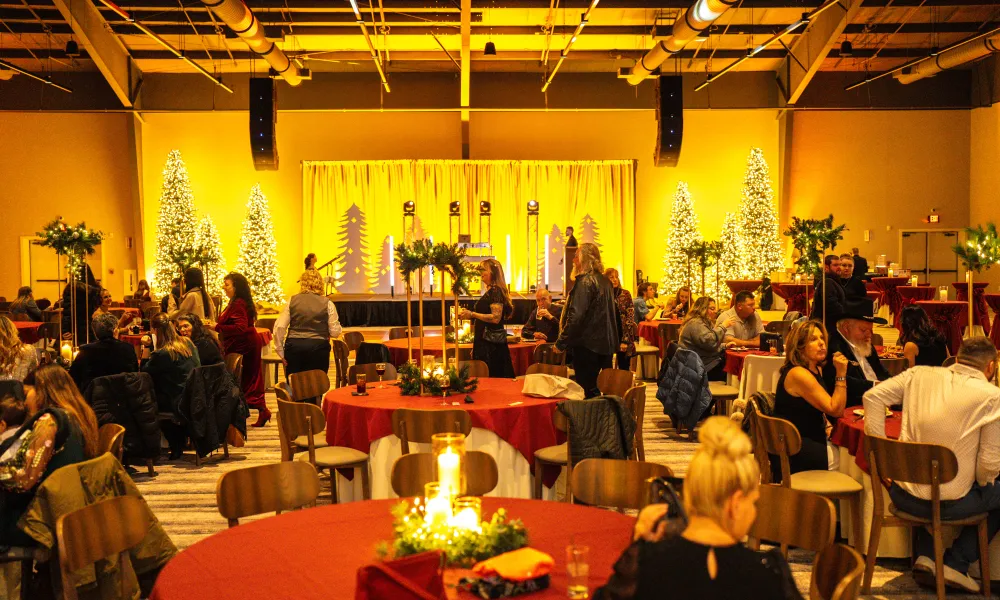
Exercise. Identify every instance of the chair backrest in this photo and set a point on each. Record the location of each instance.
(668, 332)
(617, 483)
(308, 384)
(793, 517)
(397, 333)
(340, 362)
(283, 392)
(265, 488)
(411, 471)
(557, 370)
(779, 327)
(266, 323)
(837, 571)
(234, 364)
(98, 531)
(109, 439)
(635, 401)
(369, 370)
(760, 374)
(779, 437)
(150, 311)
(418, 425)
(477, 368)
(299, 418)
(910, 462)
(52, 315)
(614, 382)
(49, 331)
(545, 354)
(353, 339)
(877, 339)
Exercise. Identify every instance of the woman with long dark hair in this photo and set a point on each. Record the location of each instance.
(195, 301)
(88, 298)
(922, 343)
(170, 365)
(492, 310)
(628, 331)
(236, 324)
(142, 291)
(209, 349)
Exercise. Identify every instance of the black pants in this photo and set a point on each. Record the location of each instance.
(588, 365)
(176, 435)
(307, 354)
(623, 361)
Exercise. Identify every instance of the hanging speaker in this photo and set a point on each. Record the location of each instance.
(263, 122)
(669, 120)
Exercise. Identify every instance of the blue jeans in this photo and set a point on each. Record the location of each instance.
(965, 549)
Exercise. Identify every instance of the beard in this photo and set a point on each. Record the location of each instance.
(865, 348)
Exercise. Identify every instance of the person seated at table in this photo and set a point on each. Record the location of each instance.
(543, 322)
(923, 344)
(195, 301)
(801, 399)
(835, 295)
(142, 291)
(679, 305)
(644, 306)
(17, 359)
(209, 349)
(24, 307)
(170, 364)
(303, 330)
(706, 560)
(104, 307)
(747, 325)
(699, 335)
(854, 288)
(853, 339)
(106, 356)
(956, 407)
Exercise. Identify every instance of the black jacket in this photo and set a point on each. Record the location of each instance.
(589, 319)
(860, 266)
(88, 298)
(835, 300)
(369, 353)
(550, 327)
(208, 351)
(106, 357)
(855, 289)
(857, 385)
(212, 401)
(127, 399)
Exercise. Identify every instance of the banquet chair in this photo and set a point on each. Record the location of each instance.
(837, 571)
(780, 327)
(616, 483)
(418, 425)
(780, 437)
(96, 532)
(151, 311)
(668, 332)
(52, 315)
(266, 488)
(477, 368)
(544, 354)
(341, 358)
(110, 437)
(557, 456)
(792, 517)
(635, 400)
(557, 370)
(411, 471)
(877, 339)
(921, 464)
(234, 364)
(614, 382)
(49, 334)
(369, 370)
(398, 333)
(353, 339)
(301, 419)
(309, 386)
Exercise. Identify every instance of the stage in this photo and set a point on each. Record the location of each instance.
(382, 310)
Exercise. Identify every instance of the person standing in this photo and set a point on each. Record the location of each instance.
(543, 322)
(310, 261)
(854, 288)
(492, 310)
(628, 329)
(88, 298)
(860, 264)
(236, 324)
(836, 298)
(570, 239)
(195, 301)
(589, 329)
(24, 307)
(170, 302)
(303, 330)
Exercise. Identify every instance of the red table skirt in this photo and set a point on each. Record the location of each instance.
(796, 295)
(734, 361)
(651, 332)
(522, 355)
(993, 301)
(136, 339)
(28, 331)
(849, 432)
(981, 312)
(947, 317)
(340, 539)
(890, 295)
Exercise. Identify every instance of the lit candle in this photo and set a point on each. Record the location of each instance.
(66, 351)
(890, 272)
(466, 519)
(448, 472)
(943, 293)
(437, 510)
(798, 278)
(913, 281)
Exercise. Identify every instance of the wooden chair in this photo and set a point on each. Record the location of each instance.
(922, 464)
(49, 334)
(234, 363)
(477, 368)
(302, 419)
(614, 382)
(353, 340)
(98, 531)
(557, 456)
(780, 437)
(722, 397)
(418, 425)
(309, 386)
(341, 354)
(110, 438)
(877, 339)
(52, 315)
(793, 518)
(545, 354)
(619, 484)
(669, 333)
(284, 392)
(557, 370)
(151, 311)
(397, 333)
(411, 471)
(269, 367)
(275, 487)
(369, 371)
(779, 327)
(837, 571)
(635, 400)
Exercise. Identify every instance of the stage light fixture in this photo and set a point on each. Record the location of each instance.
(455, 208)
(490, 50)
(846, 49)
(484, 208)
(532, 207)
(409, 207)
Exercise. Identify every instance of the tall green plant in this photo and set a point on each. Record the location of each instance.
(812, 238)
(981, 249)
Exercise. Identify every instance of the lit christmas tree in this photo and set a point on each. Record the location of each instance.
(733, 249)
(258, 261)
(352, 263)
(175, 226)
(762, 247)
(683, 232)
(588, 231)
(207, 238)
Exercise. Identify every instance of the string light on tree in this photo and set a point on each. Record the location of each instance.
(175, 226)
(682, 234)
(207, 238)
(258, 261)
(762, 247)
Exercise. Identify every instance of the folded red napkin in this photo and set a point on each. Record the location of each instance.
(518, 565)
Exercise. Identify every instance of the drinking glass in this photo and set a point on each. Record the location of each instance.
(362, 380)
(577, 572)
(445, 384)
(380, 369)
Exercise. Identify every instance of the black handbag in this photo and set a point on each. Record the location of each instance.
(495, 336)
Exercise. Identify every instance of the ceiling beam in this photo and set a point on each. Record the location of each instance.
(807, 54)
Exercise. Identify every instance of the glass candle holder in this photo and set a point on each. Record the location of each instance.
(449, 459)
(914, 281)
(468, 513)
(943, 293)
(437, 504)
(427, 363)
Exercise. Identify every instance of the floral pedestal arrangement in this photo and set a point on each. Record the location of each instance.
(435, 381)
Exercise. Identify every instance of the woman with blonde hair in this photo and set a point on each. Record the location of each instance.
(720, 497)
(17, 359)
(170, 365)
(491, 311)
(24, 307)
(700, 334)
(303, 330)
(628, 330)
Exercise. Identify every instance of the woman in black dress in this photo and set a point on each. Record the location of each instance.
(802, 400)
(209, 349)
(922, 343)
(490, 313)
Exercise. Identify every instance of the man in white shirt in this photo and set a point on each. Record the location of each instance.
(747, 327)
(956, 407)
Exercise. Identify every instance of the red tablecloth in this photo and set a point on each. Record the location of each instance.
(993, 301)
(908, 294)
(890, 296)
(981, 312)
(357, 421)
(734, 361)
(651, 332)
(264, 335)
(947, 317)
(28, 331)
(742, 285)
(520, 354)
(796, 295)
(849, 432)
(341, 538)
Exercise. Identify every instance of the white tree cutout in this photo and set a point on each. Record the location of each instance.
(352, 272)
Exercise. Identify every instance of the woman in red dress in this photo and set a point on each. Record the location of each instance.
(236, 324)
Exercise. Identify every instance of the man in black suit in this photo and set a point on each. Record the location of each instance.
(835, 296)
(854, 288)
(852, 337)
(860, 264)
(107, 356)
(570, 239)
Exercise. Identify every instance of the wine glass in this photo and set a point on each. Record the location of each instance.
(445, 384)
(380, 370)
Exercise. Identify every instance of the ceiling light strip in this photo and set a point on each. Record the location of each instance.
(34, 76)
(562, 56)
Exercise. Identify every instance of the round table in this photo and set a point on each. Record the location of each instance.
(947, 317)
(742, 285)
(734, 361)
(28, 331)
(505, 423)
(795, 295)
(993, 301)
(890, 296)
(521, 353)
(314, 554)
(981, 312)
(908, 294)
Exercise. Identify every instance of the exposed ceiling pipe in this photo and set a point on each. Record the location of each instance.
(950, 59)
(371, 46)
(244, 23)
(696, 19)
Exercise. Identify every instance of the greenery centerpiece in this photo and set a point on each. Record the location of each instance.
(812, 238)
(413, 381)
(408, 261)
(980, 252)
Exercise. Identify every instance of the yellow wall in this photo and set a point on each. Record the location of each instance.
(984, 176)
